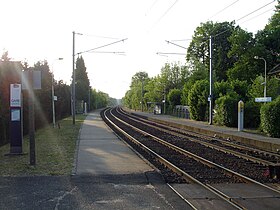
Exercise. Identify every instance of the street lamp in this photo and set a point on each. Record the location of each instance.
(53, 107)
(259, 58)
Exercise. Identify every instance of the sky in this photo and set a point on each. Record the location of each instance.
(38, 30)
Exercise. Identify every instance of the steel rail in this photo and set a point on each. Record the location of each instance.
(174, 168)
(202, 160)
(162, 123)
(174, 131)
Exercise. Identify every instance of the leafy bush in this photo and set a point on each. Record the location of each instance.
(197, 100)
(252, 114)
(174, 97)
(226, 109)
(257, 89)
(270, 115)
(221, 89)
(241, 88)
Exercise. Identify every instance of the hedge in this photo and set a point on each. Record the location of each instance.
(270, 118)
(226, 110)
(197, 100)
(252, 114)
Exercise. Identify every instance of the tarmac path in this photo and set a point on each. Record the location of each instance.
(107, 175)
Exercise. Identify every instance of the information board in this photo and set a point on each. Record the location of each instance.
(15, 96)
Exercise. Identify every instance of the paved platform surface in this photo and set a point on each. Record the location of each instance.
(101, 152)
(261, 141)
(108, 175)
(135, 191)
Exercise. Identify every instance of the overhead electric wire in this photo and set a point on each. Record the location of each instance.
(151, 7)
(108, 52)
(258, 15)
(169, 42)
(165, 13)
(241, 18)
(244, 17)
(180, 40)
(98, 36)
(209, 18)
(213, 36)
(255, 11)
(170, 53)
(223, 9)
(86, 51)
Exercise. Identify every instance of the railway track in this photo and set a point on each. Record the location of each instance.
(269, 161)
(237, 146)
(177, 164)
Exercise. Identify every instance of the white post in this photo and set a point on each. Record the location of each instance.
(240, 115)
(85, 107)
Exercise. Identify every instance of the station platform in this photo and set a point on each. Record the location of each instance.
(101, 152)
(108, 174)
(246, 136)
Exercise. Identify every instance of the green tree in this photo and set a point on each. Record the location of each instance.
(137, 90)
(221, 89)
(127, 99)
(82, 81)
(268, 39)
(99, 99)
(224, 87)
(154, 90)
(257, 88)
(197, 100)
(174, 97)
(198, 50)
(243, 49)
(63, 103)
(200, 73)
(173, 76)
(43, 100)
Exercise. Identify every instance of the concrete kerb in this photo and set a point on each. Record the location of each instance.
(74, 170)
(266, 145)
(269, 146)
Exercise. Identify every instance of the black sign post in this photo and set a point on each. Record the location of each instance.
(15, 120)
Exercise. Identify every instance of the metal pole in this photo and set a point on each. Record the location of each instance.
(211, 84)
(164, 99)
(73, 83)
(89, 92)
(53, 108)
(258, 58)
(53, 104)
(264, 77)
(32, 156)
(142, 95)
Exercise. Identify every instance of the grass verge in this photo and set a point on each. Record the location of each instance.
(55, 149)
